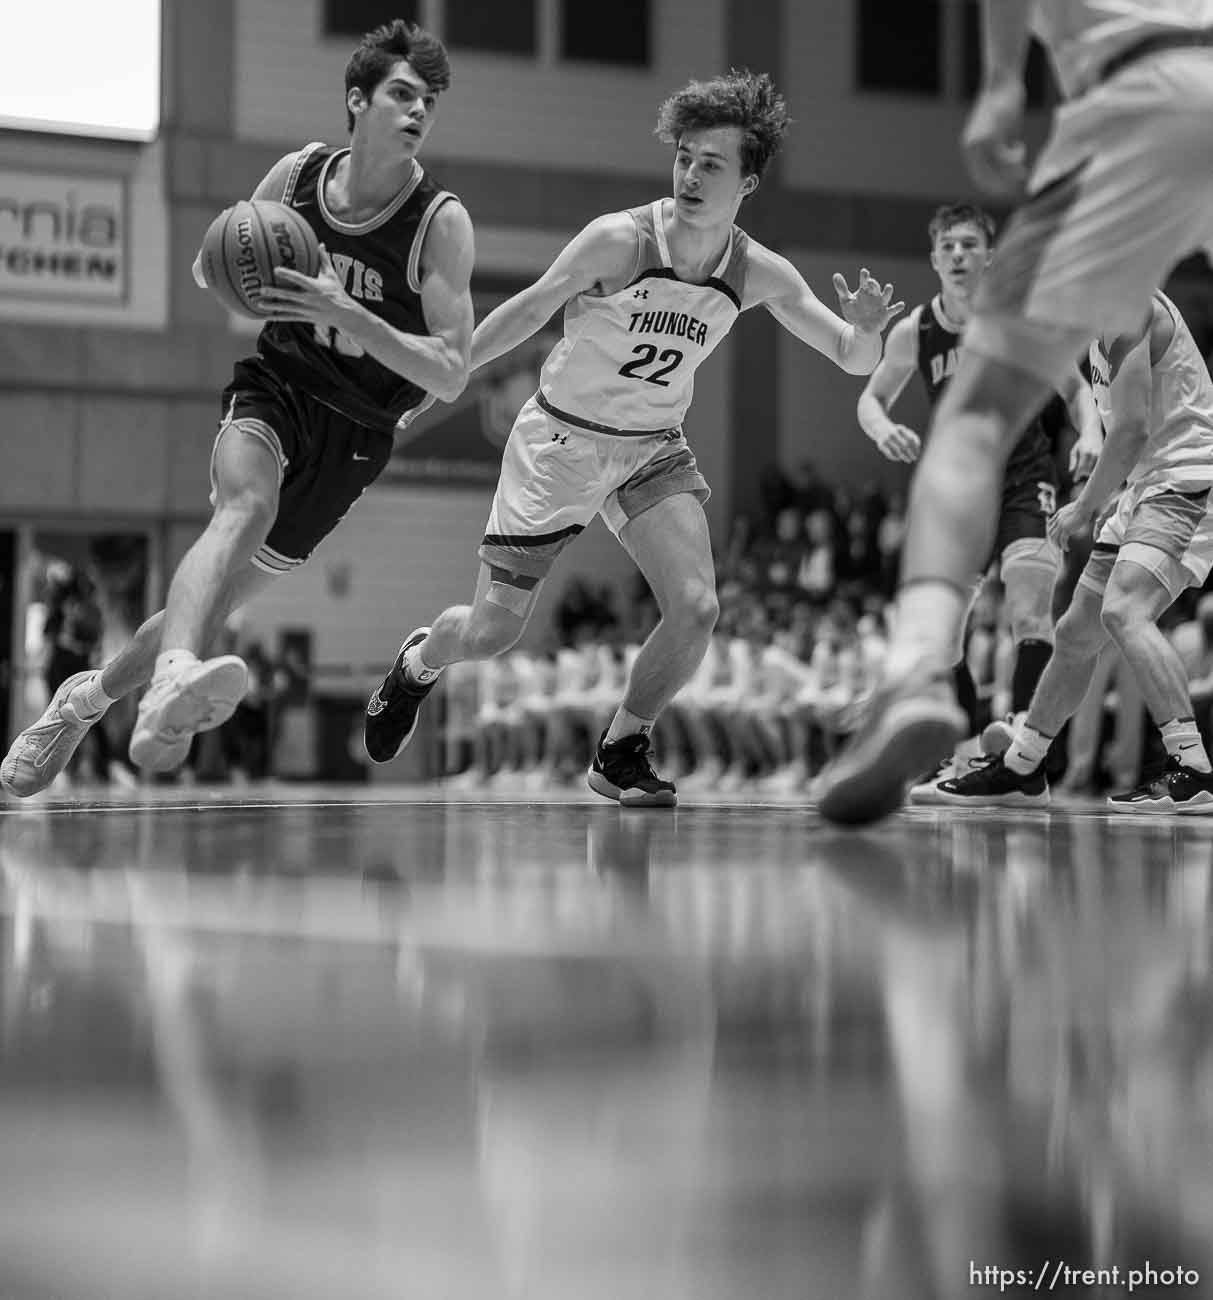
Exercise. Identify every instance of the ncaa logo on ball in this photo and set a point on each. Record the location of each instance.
(286, 246)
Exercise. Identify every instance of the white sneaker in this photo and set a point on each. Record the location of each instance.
(177, 707)
(41, 751)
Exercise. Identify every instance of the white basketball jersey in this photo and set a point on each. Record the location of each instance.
(1083, 36)
(627, 361)
(1179, 447)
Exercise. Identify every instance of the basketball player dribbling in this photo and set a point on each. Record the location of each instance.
(648, 293)
(1121, 192)
(928, 341)
(346, 358)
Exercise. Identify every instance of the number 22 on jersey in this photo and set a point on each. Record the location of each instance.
(646, 354)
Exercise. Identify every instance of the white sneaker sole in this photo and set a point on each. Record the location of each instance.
(1012, 799)
(629, 798)
(205, 701)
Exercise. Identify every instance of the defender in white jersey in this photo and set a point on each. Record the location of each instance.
(1156, 400)
(648, 294)
(1122, 191)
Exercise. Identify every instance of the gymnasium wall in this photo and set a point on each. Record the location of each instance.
(106, 421)
(538, 112)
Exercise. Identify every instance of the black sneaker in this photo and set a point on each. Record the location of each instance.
(391, 712)
(622, 771)
(1191, 791)
(1176, 789)
(1152, 795)
(993, 782)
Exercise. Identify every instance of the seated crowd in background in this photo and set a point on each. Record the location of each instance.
(805, 592)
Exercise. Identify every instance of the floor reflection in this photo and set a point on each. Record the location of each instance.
(561, 1050)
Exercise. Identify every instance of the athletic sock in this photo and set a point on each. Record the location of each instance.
(89, 699)
(1182, 739)
(1031, 658)
(966, 694)
(418, 669)
(627, 724)
(928, 613)
(1027, 750)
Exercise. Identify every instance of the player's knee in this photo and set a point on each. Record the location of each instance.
(249, 511)
(1118, 613)
(1075, 635)
(695, 606)
(1031, 625)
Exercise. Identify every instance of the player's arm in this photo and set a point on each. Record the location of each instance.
(852, 341)
(604, 254)
(271, 186)
(1004, 40)
(993, 140)
(1128, 419)
(884, 387)
(1084, 416)
(437, 361)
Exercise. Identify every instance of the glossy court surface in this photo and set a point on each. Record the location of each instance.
(305, 1043)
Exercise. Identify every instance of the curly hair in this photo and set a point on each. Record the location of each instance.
(745, 99)
(955, 214)
(379, 51)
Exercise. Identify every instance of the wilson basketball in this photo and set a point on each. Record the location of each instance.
(246, 242)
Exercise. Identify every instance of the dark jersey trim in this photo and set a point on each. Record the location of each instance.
(668, 273)
(532, 539)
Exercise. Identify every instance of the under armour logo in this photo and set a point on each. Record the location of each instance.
(641, 293)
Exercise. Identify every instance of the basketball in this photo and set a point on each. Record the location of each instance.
(246, 242)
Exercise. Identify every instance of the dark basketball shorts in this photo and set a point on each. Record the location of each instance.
(326, 460)
(1029, 502)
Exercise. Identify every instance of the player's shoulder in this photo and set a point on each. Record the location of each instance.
(451, 220)
(768, 274)
(449, 238)
(281, 179)
(616, 231)
(607, 247)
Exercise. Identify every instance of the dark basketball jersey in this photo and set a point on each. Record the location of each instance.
(378, 259)
(938, 353)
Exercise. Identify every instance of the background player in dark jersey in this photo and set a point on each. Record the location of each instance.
(928, 341)
(308, 422)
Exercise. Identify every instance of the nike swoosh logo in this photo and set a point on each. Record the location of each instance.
(357, 457)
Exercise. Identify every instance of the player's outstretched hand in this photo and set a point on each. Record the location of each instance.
(870, 307)
(899, 443)
(993, 145)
